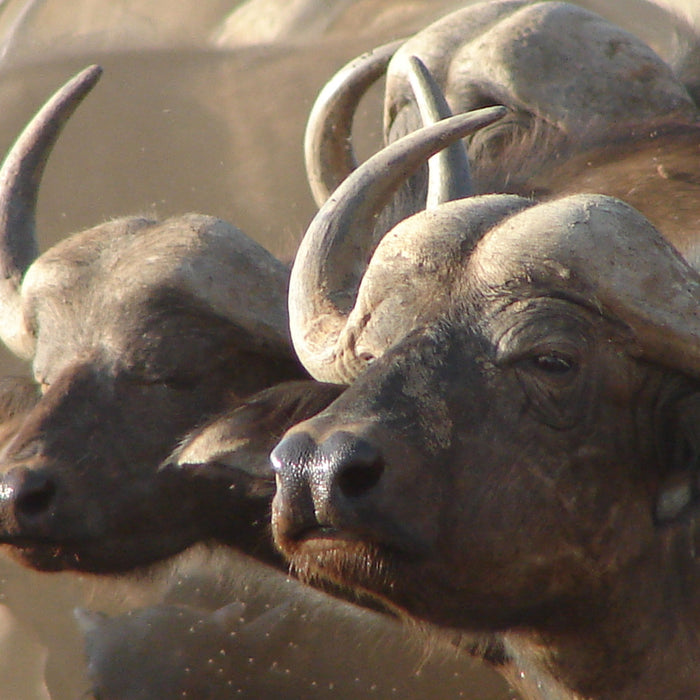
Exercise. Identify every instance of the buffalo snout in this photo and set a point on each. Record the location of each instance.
(27, 501)
(323, 485)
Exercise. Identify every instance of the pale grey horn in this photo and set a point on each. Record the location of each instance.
(20, 176)
(339, 242)
(607, 254)
(328, 150)
(449, 177)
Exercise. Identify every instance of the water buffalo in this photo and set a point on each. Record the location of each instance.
(517, 453)
(591, 109)
(138, 331)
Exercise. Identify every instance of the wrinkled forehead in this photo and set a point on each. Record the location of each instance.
(417, 273)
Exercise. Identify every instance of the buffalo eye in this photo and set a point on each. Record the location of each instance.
(548, 345)
(553, 363)
(552, 382)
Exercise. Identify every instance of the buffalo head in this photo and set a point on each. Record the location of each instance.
(591, 108)
(518, 450)
(138, 331)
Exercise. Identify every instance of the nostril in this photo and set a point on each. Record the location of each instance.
(357, 479)
(35, 496)
(359, 465)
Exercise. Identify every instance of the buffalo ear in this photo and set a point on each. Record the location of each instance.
(241, 439)
(679, 487)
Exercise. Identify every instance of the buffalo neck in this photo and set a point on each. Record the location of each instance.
(637, 640)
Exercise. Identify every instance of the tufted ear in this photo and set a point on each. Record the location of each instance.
(239, 441)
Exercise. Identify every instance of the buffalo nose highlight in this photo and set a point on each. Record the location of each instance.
(343, 464)
(322, 485)
(31, 494)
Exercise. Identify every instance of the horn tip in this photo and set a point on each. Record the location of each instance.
(91, 74)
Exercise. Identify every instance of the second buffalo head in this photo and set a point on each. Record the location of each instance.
(137, 331)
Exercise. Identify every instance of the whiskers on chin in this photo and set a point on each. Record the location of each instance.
(353, 565)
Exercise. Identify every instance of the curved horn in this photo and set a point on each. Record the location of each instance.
(328, 150)
(642, 279)
(339, 242)
(609, 256)
(19, 184)
(448, 171)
